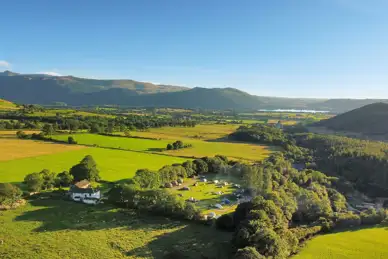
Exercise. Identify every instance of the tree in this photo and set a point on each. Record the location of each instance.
(95, 128)
(9, 193)
(48, 130)
(64, 179)
(71, 140)
(86, 169)
(169, 147)
(200, 166)
(147, 179)
(127, 133)
(248, 253)
(48, 179)
(34, 182)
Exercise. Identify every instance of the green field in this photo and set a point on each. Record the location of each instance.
(364, 243)
(117, 142)
(63, 229)
(113, 164)
(200, 148)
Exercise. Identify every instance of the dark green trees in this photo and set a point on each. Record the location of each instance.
(64, 179)
(86, 169)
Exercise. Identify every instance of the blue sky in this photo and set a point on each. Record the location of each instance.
(291, 48)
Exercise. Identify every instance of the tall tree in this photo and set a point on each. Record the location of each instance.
(86, 169)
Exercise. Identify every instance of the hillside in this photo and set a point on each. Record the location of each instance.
(47, 90)
(81, 85)
(371, 119)
(7, 105)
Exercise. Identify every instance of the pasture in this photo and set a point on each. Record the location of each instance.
(200, 148)
(113, 164)
(356, 244)
(203, 132)
(62, 229)
(11, 149)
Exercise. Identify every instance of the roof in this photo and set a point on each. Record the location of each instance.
(75, 189)
(82, 184)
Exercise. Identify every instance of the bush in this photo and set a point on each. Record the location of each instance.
(71, 140)
(248, 253)
(346, 220)
(21, 134)
(9, 193)
(372, 217)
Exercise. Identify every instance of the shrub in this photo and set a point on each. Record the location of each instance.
(71, 140)
(9, 193)
(346, 220)
(225, 222)
(372, 217)
(248, 253)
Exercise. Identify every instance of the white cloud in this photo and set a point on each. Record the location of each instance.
(4, 63)
(50, 73)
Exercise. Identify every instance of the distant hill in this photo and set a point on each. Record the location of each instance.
(47, 90)
(371, 119)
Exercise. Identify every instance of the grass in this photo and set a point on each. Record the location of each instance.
(116, 142)
(113, 164)
(7, 105)
(206, 195)
(16, 149)
(64, 229)
(200, 148)
(362, 243)
(203, 132)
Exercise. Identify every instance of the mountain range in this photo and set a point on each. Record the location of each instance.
(48, 90)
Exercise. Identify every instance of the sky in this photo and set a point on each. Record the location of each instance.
(288, 48)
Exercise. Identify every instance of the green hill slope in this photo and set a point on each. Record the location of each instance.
(369, 119)
(7, 105)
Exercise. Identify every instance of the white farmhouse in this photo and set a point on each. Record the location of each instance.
(83, 192)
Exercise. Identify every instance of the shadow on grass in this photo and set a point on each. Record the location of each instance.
(188, 240)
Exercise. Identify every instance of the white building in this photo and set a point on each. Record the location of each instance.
(83, 192)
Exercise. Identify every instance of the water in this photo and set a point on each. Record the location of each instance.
(293, 110)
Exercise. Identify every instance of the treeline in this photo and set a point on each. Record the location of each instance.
(288, 206)
(94, 124)
(363, 163)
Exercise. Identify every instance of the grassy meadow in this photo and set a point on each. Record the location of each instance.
(356, 244)
(200, 148)
(113, 164)
(11, 149)
(49, 228)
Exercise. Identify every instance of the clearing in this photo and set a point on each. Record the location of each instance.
(64, 229)
(360, 243)
(11, 149)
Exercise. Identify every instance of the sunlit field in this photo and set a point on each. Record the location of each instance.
(64, 229)
(200, 148)
(357, 244)
(113, 164)
(15, 149)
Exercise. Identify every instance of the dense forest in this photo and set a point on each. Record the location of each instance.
(363, 163)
